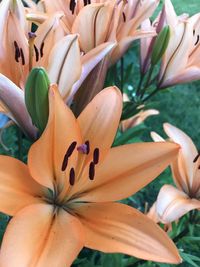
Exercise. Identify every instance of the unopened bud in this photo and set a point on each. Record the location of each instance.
(36, 97)
(160, 45)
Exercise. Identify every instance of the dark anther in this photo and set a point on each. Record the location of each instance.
(124, 17)
(194, 32)
(36, 53)
(72, 176)
(17, 51)
(86, 2)
(91, 170)
(196, 158)
(67, 155)
(96, 156)
(64, 164)
(87, 143)
(22, 56)
(197, 40)
(41, 50)
(72, 6)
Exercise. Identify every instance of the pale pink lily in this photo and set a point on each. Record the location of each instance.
(180, 63)
(174, 202)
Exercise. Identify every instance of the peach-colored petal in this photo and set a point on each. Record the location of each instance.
(46, 156)
(144, 10)
(64, 55)
(172, 204)
(92, 23)
(152, 214)
(100, 119)
(125, 43)
(179, 176)
(38, 236)
(89, 62)
(125, 170)
(115, 227)
(177, 53)
(47, 34)
(188, 151)
(17, 187)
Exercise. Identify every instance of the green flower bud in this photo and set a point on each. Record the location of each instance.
(36, 97)
(160, 45)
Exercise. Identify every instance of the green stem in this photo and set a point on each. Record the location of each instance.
(19, 141)
(122, 73)
(151, 94)
(147, 83)
(139, 85)
(192, 220)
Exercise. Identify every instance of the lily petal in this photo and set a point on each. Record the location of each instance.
(42, 238)
(100, 119)
(89, 62)
(17, 187)
(172, 204)
(47, 34)
(119, 176)
(12, 98)
(115, 227)
(188, 151)
(46, 156)
(92, 23)
(65, 54)
(125, 43)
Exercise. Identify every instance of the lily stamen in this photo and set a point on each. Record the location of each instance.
(72, 177)
(91, 171)
(197, 40)
(22, 56)
(72, 6)
(41, 50)
(36, 53)
(84, 148)
(96, 156)
(196, 158)
(124, 16)
(69, 152)
(17, 51)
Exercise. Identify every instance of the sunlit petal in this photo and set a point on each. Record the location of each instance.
(114, 227)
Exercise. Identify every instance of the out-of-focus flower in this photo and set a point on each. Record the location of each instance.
(172, 203)
(13, 45)
(48, 47)
(180, 62)
(65, 198)
(101, 21)
(98, 22)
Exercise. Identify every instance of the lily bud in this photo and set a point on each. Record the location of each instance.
(36, 97)
(160, 45)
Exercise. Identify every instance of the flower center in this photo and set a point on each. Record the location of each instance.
(83, 149)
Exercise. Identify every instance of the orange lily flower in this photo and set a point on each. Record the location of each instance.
(180, 63)
(172, 203)
(64, 199)
(13, 45)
